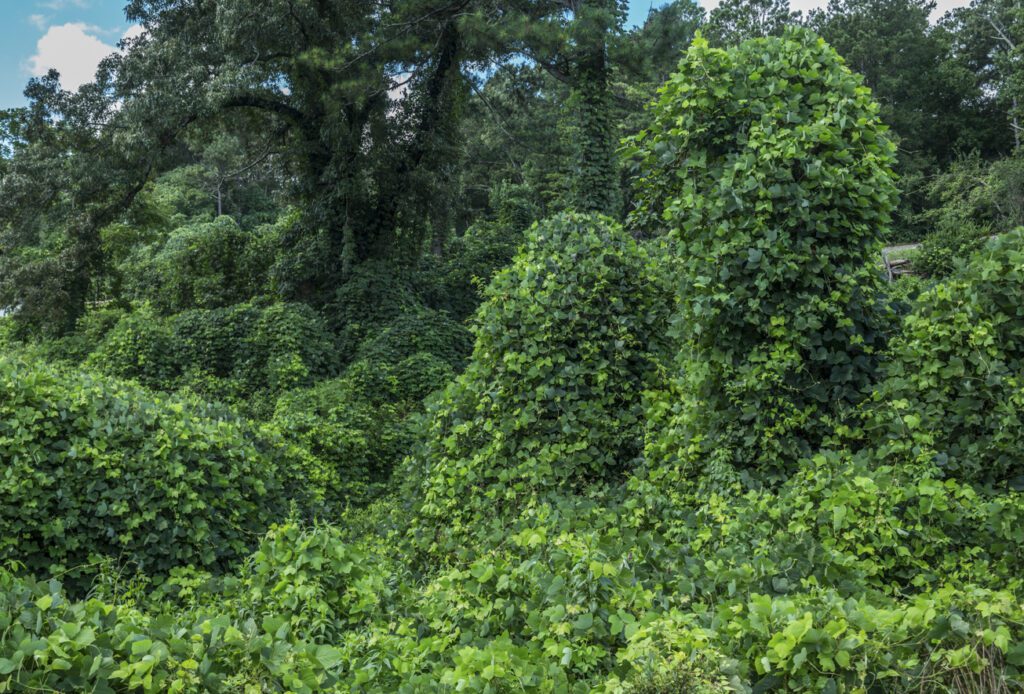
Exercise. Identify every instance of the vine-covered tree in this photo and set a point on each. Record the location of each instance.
(771, 168)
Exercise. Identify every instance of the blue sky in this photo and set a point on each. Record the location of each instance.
(68, 34)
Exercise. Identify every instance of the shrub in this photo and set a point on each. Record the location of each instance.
(570, 596)
(470, 261)
(141, 346)
(551, 398)
(903, 292)
(774, 174)
(216, 342)
(357, 426)
(291, 347)
(953, 387)
(90, 331)
(50, 643)
(355, 441)
(944, 248)
(322, 584)
(418, 331)
(101, 468)
(197, 266)
(375, 294)
(231, 354)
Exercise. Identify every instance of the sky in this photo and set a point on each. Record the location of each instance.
(74, 35)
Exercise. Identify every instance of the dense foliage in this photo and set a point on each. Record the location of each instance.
(342, 354)
(103, 471)
(566, 342)
(773, 174)
(954, 379)
(231, 353)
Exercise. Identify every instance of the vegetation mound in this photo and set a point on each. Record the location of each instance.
(953, 391)
(552, 398)
(103, 470)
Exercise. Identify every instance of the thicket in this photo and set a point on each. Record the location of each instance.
(709, 462)
(241, 354)
(952, 390)
(98, 470)
(204, 265)
(972, 201)
(567, 341)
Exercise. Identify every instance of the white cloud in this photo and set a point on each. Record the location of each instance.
(38, 21)
(73, 50)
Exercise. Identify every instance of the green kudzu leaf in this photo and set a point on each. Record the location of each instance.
(584, 622)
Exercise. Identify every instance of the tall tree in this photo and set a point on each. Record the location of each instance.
(657, 45)
(734, 21)
(925, 99)
(989, 39)
(572, 41)
(526, 121)
(361, 97)
(77, 162)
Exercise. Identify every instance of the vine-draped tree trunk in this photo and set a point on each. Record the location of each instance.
(595, 171)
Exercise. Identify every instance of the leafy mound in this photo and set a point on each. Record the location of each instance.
(457, 285)
(954, 391)
(552, 397)
(204, 265)
(418, 331)
(774, 174)
(376, 293)
(103, 469)
(357, 427)
(232, 353)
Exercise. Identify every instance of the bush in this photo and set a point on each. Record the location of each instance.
(355, 441)
(244, 354)
(90, 331)
(323, 585)
(944, 248)
(574, 595)
(551, 398)
(904, 291)
(358, 426)
(470, 262)
(953, 387)
(103, 469)
(50, 643)
(196, 266)
(290, 347)
(774, 174)
(141, 346)
(419, 331)
(375, 294)
(971, 201)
